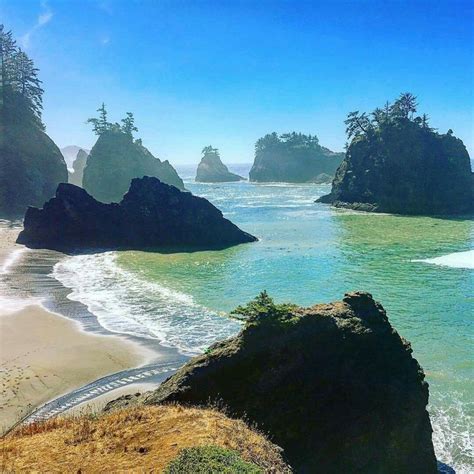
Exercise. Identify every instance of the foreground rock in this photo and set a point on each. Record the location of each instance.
(396, 163)
(115, 160)
(212, 170)
(293, 158)
(78, 166)
(151, 215)
(334, 385)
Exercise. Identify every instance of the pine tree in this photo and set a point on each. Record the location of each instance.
(101, 125)
(128, 126)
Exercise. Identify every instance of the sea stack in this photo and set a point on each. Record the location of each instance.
(212, 170)
(293, 158)
(116, 159)
(78, 166)
(334, 385)
(397, 163)
(152, 215)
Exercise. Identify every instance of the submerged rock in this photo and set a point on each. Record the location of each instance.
(78, 166)
(293, 158)
(152, 215)
(334, 385)
(212, 170)
(115, 160)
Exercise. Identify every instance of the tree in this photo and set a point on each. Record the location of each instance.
(357, 124)
(128, 124)
(405, 106)
(101, 125)
(209, 150)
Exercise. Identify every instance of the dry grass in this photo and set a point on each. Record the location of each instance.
(137, 439)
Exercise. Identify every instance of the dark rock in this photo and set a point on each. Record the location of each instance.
(151, 215)
(334, 385)
(212, 170)
(405, 169)
(78, 165)
(115, 160)
(293, 158)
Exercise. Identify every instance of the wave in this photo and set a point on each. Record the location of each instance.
(127, 304)
(11, 259)
(453, 260)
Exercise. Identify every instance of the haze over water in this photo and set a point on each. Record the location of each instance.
(308, 253)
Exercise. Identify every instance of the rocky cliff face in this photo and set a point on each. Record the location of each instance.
(405, 169)
(152, 215)
(212, 170)
(334, 385)
(78, 166)
(293, 158)
(115, 160)
(31, 166)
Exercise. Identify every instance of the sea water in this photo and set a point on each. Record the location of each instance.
(419, 268)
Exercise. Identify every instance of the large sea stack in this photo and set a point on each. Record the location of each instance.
(115, 160)
(334, 385)
(293, 158)
(152, 215)
(397, 163)
(212, 170)
(78, 165)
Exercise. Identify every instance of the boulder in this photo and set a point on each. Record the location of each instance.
(152, 215)
(334, 385)
(115, 160)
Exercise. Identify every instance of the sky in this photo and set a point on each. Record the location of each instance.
(227, 72)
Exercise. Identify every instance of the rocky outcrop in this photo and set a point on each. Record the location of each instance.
(78, 166)
(115, 160)
(152, 215)
(334, 385)
(70, 154)
(31, 165)
(212, 170)
(402, 166)
(293, 158)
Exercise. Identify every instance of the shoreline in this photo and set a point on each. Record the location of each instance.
(52, 347)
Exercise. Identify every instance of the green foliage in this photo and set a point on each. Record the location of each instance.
(21, 95)
(209, 150)
(128, 126)
(287, 142)
(210, 460)
(263, 307)
(101, 125)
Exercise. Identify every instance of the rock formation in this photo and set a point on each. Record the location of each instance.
(293, 158)
(212, 170)
(115, 160)
(152, 215)
(70, 154)
(78, 166)
(334, 385)
(400, 165)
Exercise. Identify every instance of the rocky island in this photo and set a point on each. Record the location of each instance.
(78, 165)
(212, 170)
(334, 385)
(151, 215)
(397, 163)
(293, 158)
(117, 158)
(31, 165)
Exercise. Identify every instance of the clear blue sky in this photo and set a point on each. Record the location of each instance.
(226, 72)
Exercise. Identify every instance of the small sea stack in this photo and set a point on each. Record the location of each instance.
(212, 170)
(152, 215)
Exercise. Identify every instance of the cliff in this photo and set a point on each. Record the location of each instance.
(31, 165)
(151, 215)
(78, 166)
(293, 158)
(334, 385)
(115, 160)
(400, 165)
(212, 170)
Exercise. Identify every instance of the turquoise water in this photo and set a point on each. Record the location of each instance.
(307, 253)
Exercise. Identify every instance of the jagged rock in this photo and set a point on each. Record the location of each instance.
(334, 385)
(78, 166)
(152, 215)
(70, 154)
(115, 160)
(293, 158)
(405, 169)
(212, 170)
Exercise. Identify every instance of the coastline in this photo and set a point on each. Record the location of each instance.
(51, 346)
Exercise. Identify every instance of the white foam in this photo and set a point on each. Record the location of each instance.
(127, 304)
(453, 260)
(11, 259)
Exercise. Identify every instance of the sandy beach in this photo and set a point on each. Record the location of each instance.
(44, 355)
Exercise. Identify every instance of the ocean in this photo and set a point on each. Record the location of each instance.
(420, 268)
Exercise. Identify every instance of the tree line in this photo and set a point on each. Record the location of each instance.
(288, 141)
(101, 125)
